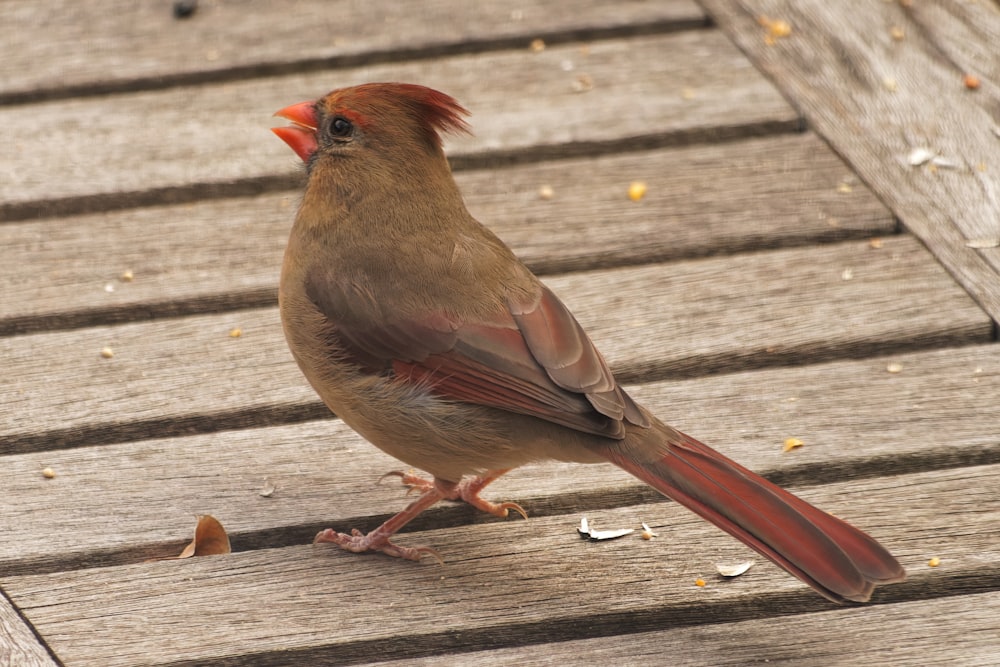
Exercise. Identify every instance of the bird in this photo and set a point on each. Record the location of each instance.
(423, 332)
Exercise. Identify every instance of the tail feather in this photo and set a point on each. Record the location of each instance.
(835, 558)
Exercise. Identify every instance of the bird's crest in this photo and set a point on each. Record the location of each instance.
(434, 111)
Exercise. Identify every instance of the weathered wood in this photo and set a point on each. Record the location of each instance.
(965, 34)
(511, 583)
(876, 98)
(185, 143)
(118, 45)
(223, 254)
(689, 318)
(947, 631)
(911, 455)
(117, 504)
(18, 645)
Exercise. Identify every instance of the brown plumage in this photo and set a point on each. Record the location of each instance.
(423, 332)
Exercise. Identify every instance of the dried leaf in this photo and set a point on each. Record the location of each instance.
(210, 539)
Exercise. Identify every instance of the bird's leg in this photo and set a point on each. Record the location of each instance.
(467, 490)
(378, 539)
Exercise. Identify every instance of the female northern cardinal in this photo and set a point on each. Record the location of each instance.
(423, 332)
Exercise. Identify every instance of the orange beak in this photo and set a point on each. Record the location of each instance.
(301, 134)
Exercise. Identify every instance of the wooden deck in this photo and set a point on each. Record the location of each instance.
(790, 273)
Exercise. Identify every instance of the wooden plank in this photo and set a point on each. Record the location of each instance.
(720, 314)
(506, 583)
(966, 34)
(120, 45)
(18, 645)
(958, 630)
(216, 255)
(857, 420)
(193, 142)
(876, 99)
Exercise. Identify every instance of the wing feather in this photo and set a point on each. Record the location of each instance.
(532, 358)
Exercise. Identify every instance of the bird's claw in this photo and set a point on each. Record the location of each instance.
(411, 481)
(466, 491)
(358, 542)
(506, 507)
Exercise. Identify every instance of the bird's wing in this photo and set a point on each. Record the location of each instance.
(532, 358)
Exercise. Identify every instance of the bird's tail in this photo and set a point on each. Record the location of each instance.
(838, 560)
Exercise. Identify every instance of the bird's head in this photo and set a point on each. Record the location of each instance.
(398, 119)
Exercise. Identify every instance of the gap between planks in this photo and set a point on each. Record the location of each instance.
(317, 605)
(876, 98)
(120, 46)
(943, 631)
(19, 647)
(118, 504)
(704, 316)
(202, 148)
(216, 255)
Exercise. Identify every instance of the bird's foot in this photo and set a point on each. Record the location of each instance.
(467, 490)
(379, 539)
(358, 542)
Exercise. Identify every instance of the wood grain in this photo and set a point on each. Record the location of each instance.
(741, 290)
(117, 45)
(218, 255)
(18, 645)
(185, 143)
(314, 605)
(690, 318)
(123, 503)
(875, 99)
(945, 631)
(978, 25)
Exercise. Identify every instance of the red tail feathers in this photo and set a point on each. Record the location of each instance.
(838, 560)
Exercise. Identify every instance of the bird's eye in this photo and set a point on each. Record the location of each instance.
(341, 127)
